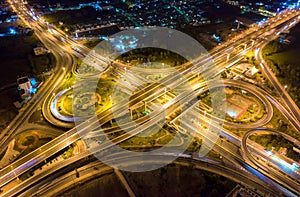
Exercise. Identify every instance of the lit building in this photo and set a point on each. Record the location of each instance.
(25, 87)
(40, 51)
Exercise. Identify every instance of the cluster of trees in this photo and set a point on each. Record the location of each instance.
(277, 141)
(153, 55)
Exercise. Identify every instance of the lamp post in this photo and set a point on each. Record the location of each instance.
(285, 87)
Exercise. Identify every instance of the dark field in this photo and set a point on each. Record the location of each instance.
(172, 180)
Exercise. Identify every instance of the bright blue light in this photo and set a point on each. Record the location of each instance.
(33, 90)
(105, 38)
(281, 40)
(284, 163)
(217, 38)
(120, 47)
(231, 113)
(295, 165)
(124, 43)
(257, 173)
(12, 31)
(33, 82)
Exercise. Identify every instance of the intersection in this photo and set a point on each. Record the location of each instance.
(223, 57)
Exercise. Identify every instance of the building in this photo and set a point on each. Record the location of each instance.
(253, 71)
(40, 50)
(25, 87)
(282, 151)
(245, 22)
(235, 3)
(247, 69)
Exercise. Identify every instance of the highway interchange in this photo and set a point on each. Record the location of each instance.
(66, 63)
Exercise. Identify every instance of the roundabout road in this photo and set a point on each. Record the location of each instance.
(259, 93)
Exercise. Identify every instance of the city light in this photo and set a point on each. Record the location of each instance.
(77, 87)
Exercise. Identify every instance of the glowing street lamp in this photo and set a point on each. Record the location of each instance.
(285, 87)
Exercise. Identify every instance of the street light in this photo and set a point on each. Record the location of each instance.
(285, 87)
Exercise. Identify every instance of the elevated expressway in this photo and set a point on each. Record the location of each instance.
(72, 135)
(101, 148)
(32, 180)
(122, 137)
(216, 55)
(48, 186)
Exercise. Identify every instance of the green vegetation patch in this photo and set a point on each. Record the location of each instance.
(34, 146)
(276, 142)
(245, 106)
(86, 98)
(28, 141)
(280, 123)
(68, 153)
(158, 137)
(148, 58)
(285, 64)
